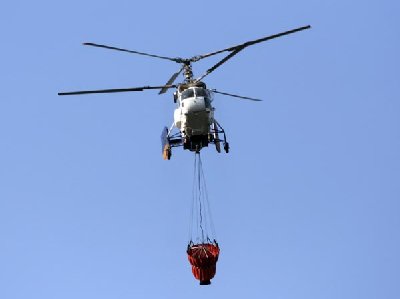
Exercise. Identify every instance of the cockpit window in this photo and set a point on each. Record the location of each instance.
(201, 92)
(188, 93)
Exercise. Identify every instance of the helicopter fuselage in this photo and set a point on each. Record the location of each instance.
(194, 113)
(194, 118)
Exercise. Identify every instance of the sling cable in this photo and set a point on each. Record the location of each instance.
(202, 249)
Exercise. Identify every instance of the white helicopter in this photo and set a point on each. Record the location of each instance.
(194, 115)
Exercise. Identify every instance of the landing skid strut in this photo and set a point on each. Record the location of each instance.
(193, 143)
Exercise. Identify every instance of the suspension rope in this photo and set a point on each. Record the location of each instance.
(199, 169)
(211, 222)
(192, 203)
(200, 212)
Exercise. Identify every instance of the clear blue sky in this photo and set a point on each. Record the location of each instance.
(306, 205)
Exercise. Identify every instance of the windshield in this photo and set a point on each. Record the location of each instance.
(188, 93)
(201, 92)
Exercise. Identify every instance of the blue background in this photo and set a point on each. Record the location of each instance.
(306, 205)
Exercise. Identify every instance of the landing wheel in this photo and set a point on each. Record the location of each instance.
(217, 142)
(167, 153)
(217, 146)
(226, 147)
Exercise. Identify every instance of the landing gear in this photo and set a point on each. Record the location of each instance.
(215, 137)
(168, 142)
(167, 152)
(226, 147)
(193, 143)
(218, 146)
(215, 130)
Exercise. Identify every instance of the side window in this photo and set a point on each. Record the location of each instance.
(188, 93)
(207, 102)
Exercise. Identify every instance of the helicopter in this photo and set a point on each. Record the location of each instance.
(194, 115)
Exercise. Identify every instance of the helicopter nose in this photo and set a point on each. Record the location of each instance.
(195, 105)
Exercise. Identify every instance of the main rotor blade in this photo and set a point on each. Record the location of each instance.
(235, 95)
(114, 90)
(249, 43)
(170, 81)
(179, 60)
(210, 70)
(236, 49)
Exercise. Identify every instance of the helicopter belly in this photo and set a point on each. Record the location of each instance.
(193, 123)
(192, 117)
(196, 123)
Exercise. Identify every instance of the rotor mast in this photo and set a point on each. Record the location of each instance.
(187, 71)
